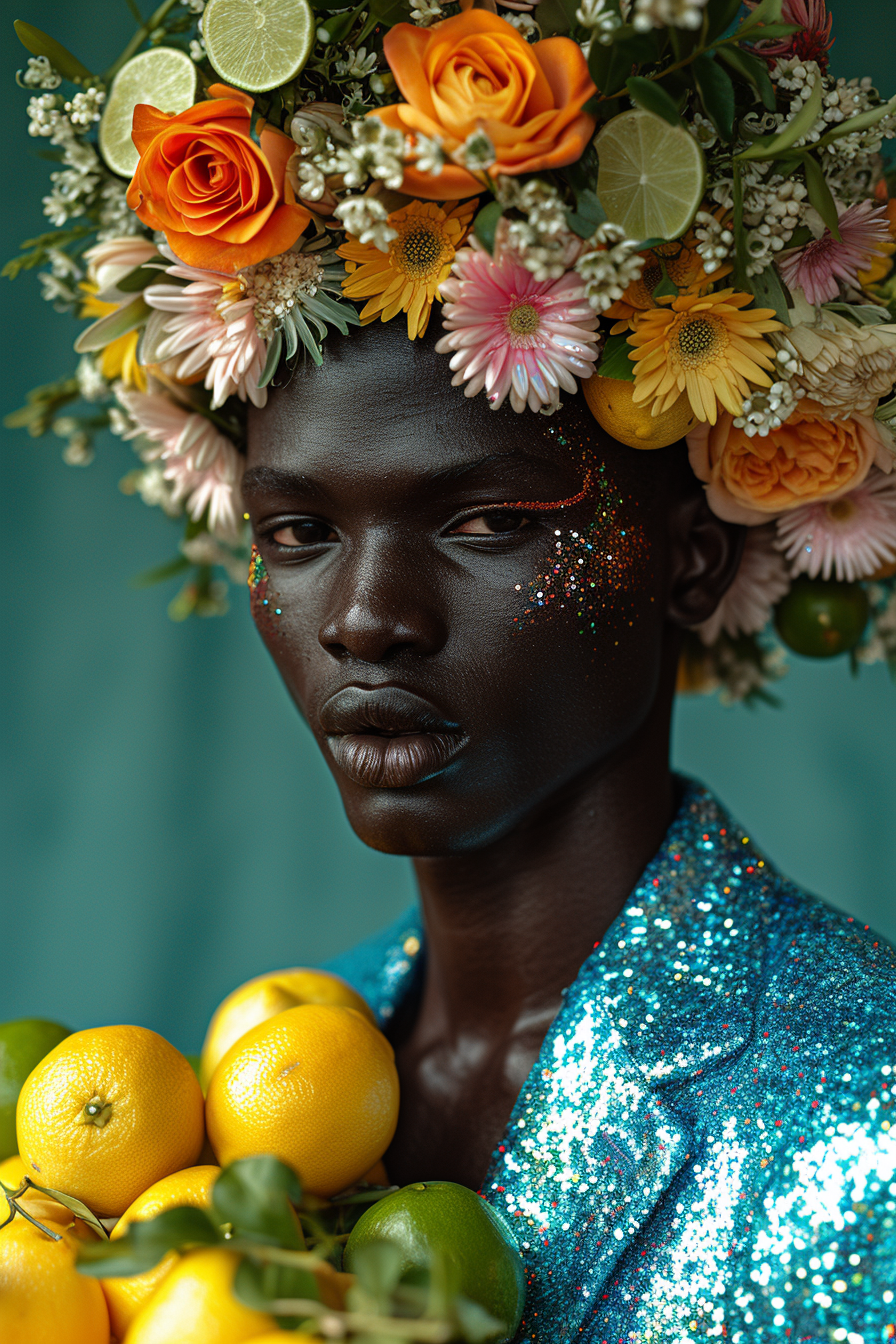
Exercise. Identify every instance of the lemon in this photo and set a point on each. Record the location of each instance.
(258, 44)
(23, 1045)
(651, 175)
(163, 77)
(196, 1305)
(264, 997)
(610, 401)
(43, 1298)
(127, 1295)
(107, 1113)
(439, 1217)
(315, 1086)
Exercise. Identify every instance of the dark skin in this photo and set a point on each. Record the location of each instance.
(380, 500)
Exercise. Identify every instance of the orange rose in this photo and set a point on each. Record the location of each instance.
(476, 72)
(810, 457)
(221, 201)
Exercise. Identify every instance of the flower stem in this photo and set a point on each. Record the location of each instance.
(139, 38)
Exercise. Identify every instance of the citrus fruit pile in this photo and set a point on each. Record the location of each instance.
(144, 1212)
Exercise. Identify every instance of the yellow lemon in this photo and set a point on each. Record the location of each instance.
(107, 1113)
(43, 1298)
(42, 1207)
(126, 1296)
(12, 1173)
(276, 1337)
(195, 1305)
(610, 402)
(316, 1086)
(264, 997)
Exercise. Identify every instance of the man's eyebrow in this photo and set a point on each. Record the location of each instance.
(274, 480)
(448, 475)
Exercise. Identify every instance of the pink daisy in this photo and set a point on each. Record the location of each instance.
(818, 267)
(512, 334)
(202, 465)
(847, 538)
(211, 329)
(812, 44)
(760, 582)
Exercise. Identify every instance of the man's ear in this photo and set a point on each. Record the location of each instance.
(704, 555)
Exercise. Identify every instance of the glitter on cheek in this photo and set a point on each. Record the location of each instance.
(265, 611)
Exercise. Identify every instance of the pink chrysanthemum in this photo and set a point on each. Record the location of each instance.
(812, 43)
(760, 582)
(846, 538)
(211, 330)
(512, 334)
(819, 267)
(202, 465)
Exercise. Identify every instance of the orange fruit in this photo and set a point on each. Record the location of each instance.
(107, 1113)
(610, 401)
(42, 1207)
(195, 1305)
(264, 997)
(126, 1296)
(276, 1337)
(43, 1298)
(315, 1086)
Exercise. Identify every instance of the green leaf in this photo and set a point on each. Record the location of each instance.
(485, 224)
(306, 336)
(557, 16)
(256, 1194)
(288, 327)
(717, 95)
(275, 346)
(751, 69)
(770, 30)
(257, 1285)
(720, 14)
(141, 276)
(649, 95)
(820, 194)
(588, 215)
(476, 1325)
(863, 314)
(615, 362)
(775, 146)
(160, 573)
(767, 11)
(737, 226)
(105, 330)
(667, 286)
(860, 122)
(73, 1205)
(144, 1244)
(629, 48)
(769, 292)
(41, 44)
(801, 236)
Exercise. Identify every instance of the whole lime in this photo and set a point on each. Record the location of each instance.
(820, 618)
(23, 1045)
(438, 1217)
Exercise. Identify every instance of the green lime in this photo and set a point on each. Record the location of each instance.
(820, 618)
(23, 1045)
(439, 1217)
(165, 79)
(258, 44)
(651, 175)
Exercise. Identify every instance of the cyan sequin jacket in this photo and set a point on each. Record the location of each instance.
(706, 1145)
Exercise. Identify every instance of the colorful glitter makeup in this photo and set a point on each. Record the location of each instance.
(264, 611)
(590, 569)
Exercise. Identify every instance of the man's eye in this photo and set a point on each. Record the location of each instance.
(499, 522)
(307, 532)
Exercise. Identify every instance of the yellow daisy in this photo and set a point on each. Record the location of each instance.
(406, 279)
(704, 345)
(118, 360)
(684, 267)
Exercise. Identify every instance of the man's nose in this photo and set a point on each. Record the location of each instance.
(382, 605)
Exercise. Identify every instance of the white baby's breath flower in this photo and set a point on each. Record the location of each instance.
(608, 266)
(430, 156)
(647, 14)
(358, 65)
(426, 12)
(85, 108)
(39, 74)
(600, 17)
(477, 153)
(367, 220)
(91, 383)
(197, 49)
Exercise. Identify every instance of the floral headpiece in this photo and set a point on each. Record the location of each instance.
(670, 201)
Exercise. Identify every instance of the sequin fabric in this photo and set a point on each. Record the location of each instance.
(706, 1146)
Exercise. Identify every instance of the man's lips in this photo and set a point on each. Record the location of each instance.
(387, 737)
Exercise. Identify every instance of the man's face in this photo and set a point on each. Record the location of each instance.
(459, 650)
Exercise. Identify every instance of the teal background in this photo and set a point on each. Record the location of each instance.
(169, 828)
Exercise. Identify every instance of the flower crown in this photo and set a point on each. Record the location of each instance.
(670, 201)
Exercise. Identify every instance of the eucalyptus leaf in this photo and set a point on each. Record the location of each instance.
(820, 195)
(770, 147)
(860, 122)
(256, 1194)
(717, 95)
(101, 333)
(615, 362)
(73, 1205)
(647, 93)
(486, 223)
(769, 292)
(41, 44)
(751, 69)
(273, 359)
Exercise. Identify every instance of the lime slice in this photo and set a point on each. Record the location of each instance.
(651, 175)
(258, 44)
(165, 79)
